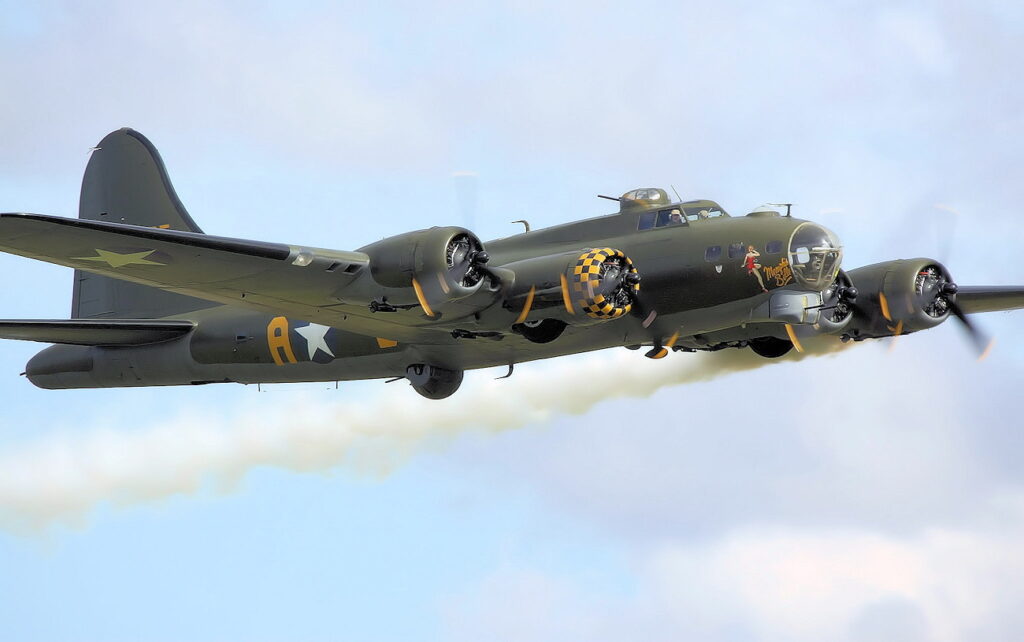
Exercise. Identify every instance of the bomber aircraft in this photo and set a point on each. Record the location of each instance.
(157, 302)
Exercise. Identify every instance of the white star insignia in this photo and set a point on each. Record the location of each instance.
(316, 338)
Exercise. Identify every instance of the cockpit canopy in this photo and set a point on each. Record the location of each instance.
(814, 255)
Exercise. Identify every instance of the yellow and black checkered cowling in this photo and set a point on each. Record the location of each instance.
(586, 281)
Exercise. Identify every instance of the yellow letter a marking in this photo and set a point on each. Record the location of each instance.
(279, 342)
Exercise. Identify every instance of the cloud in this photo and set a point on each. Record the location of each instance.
(780, 583)
(522, 604)
(63, 477)
(706, 91)
(919, 33)
(215, 75)
(813, 585)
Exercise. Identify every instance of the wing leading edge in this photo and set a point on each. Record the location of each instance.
(288, 280)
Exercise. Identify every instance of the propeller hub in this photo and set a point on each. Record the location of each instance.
(463, 256)
(932, 291)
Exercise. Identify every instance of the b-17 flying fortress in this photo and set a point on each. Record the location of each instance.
(157, 302)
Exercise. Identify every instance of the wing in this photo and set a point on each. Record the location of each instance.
(90, 332)
(974, 299)
(284, 279)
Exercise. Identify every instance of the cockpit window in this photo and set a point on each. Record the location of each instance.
(815, 255)
(702, 213)
(672, 216)
(681, 214)
(661, 218)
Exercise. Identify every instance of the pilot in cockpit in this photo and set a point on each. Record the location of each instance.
(675, 218)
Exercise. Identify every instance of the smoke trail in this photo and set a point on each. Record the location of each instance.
(62, 478)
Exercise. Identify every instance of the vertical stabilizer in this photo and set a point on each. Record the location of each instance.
(126, 182)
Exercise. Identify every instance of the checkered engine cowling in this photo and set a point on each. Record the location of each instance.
(599, 284)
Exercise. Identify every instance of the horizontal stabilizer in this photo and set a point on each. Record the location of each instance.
(95, 332)
(974, 299)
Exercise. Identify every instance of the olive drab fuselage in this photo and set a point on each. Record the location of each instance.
(695, 276)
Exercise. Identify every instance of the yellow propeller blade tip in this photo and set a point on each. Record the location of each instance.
(987, 351)
(884, 303)
(896, 333)
(421, 298)
(792, 338)
(566, 299)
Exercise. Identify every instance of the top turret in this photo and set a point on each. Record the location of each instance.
(643, 198)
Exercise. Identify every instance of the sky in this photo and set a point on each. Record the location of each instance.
(867, 493)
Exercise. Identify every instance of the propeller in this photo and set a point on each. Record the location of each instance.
(618, 283)
(945, 234)
(982, 342)
(467, 192)
(463, 268)
(663, 340)
(466, 259)
(934, 290)
(935, 294)
(662, 336)
(838, 301)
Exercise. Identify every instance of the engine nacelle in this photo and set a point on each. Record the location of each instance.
(579, 288)
(898, 297)
(441, 263)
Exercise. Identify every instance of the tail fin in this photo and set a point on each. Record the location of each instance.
(126, 182)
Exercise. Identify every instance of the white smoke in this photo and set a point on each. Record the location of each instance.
(62, 478)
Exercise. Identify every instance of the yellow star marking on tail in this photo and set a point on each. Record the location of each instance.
(115, 260)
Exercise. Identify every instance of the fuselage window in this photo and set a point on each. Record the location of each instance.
(737, 250)
(646, 220)
(773, 247)
(713, 253)
(670, 217)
